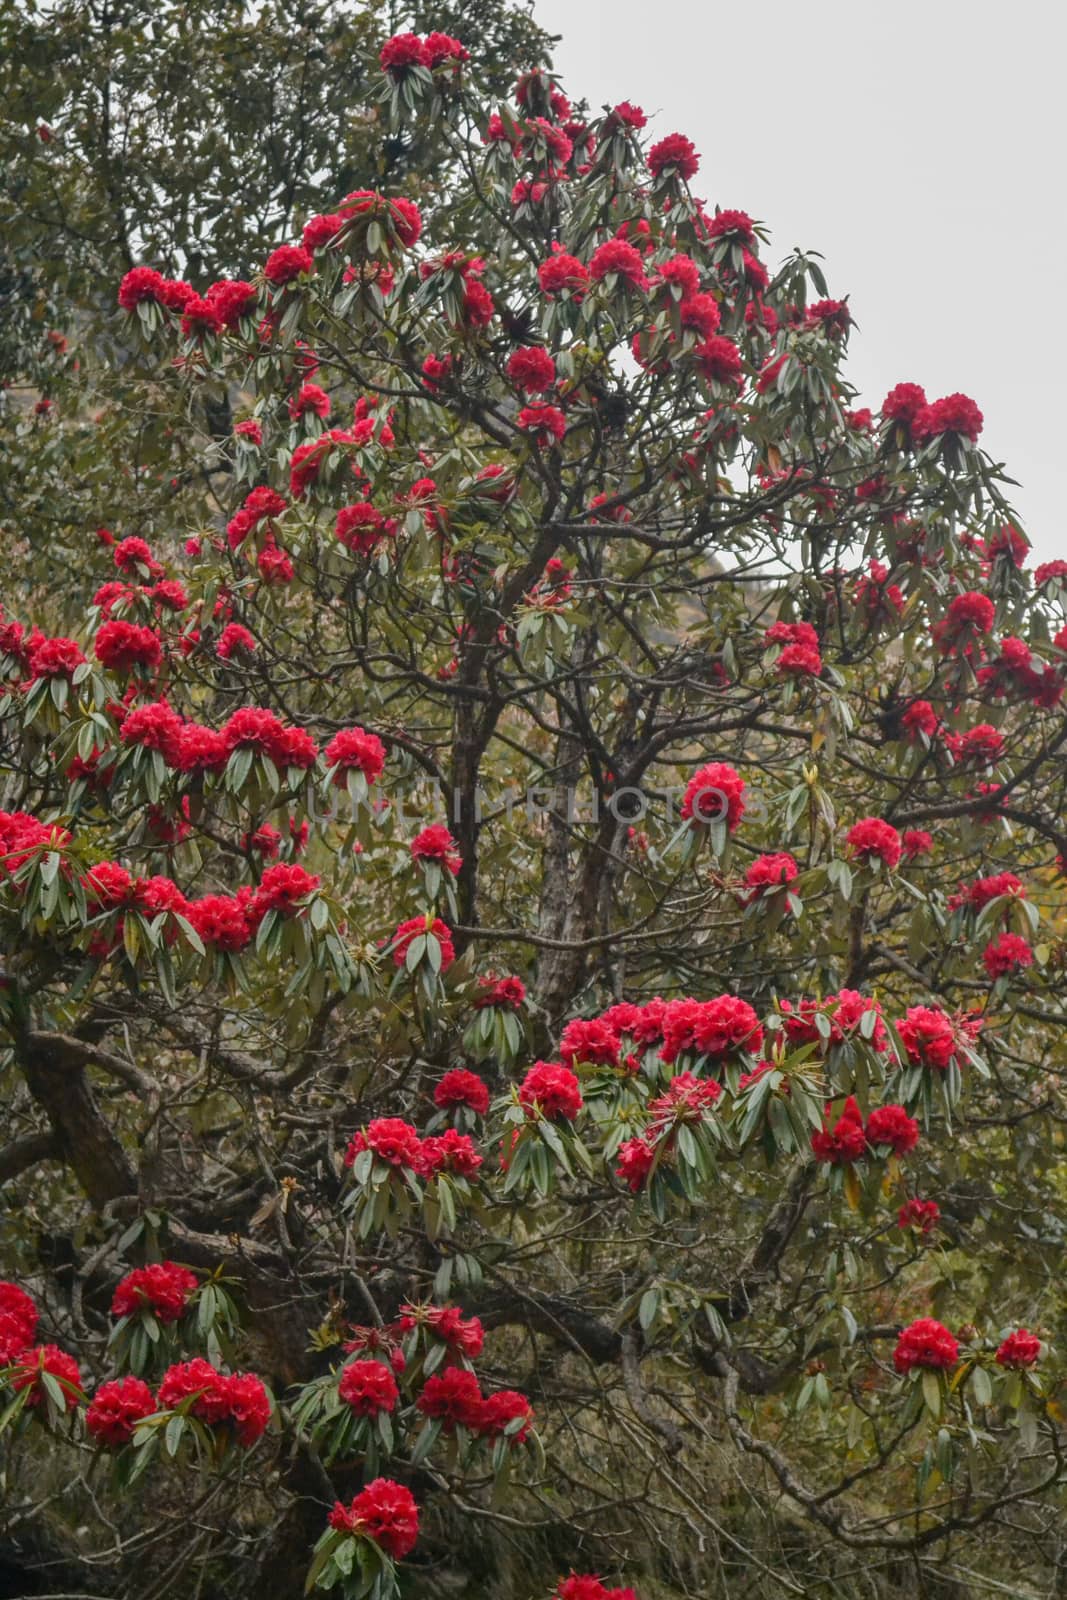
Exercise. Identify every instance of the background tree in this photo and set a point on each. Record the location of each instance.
(536, 932)
(190, 136)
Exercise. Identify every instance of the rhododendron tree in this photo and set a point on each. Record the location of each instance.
(532, 1023)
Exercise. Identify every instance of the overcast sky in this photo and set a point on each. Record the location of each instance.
(918, 145)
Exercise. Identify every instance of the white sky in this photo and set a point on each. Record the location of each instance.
(919, 145)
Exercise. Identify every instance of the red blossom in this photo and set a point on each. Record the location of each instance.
(890, 1125)
(1005, 954)
(551, 1089)
(116, 1408)
(925, 1343)
(162, 1287)
(415, 928)
(845, 1142)
(1020, 1349)
(30, 1365)
(676, 154)
(921, 1214)
(368, 1388)
(385, 1513)
(286, 263)
(715, 793)
(459, 1087)
(532, 369)
(871, 839)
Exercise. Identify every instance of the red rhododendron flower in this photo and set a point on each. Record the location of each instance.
(799, 661)
(890, 1125)
(234, 639)
(562, 273)
(231, 299)
(712, 1028)
(154, 726)
(1010, 545)
(553, 1089)
(353, 749)
(871, 839)
(283, 889)
(921, 1214)
(1049, 572)
(287, 263)
(440, 48)
(361, 528)
(545, 423)
(845, 1142)
(969, 615)
(197, 1377)
(368, 1388)
(916, 842)
(674, 153)
(956, 413)
(769, 872)
(636, 1157)
(920, 718)
(221, 921)
(499, 1412)
(116, 1408)
(310, 398)
(248, 1406)
(681, 273)
(385, 1513)
(590, 1040)
(686, 1100)
(30, 1364)
(618, 259)
(984, 890)
(719, 359)
(162, 1287)
(199, 318)
(494, 991)
(435, 843)
(200, 749)
(459, 1087)
(581, 1586)
(453, 1397)
(413, 929)
(54, 658)
(715, 793)
(18, 1313)
(1020, 1349)
(274, 563)
(464, 1336)
(981, 746)
(319, 231)
(929, 1037)
(391, 1138)
(1006, 954)
(700, 314)
(532, 369)
(736, 226)
(253, 728)
(121, 646)
(925, 1343)
(402, 214)
(402, 52)
(904, 403)
(450, 1152)
(140, 284)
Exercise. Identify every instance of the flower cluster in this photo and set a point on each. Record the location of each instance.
(162, 1288)
(888, 1128)
(925, 1343)
(238, 1400)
